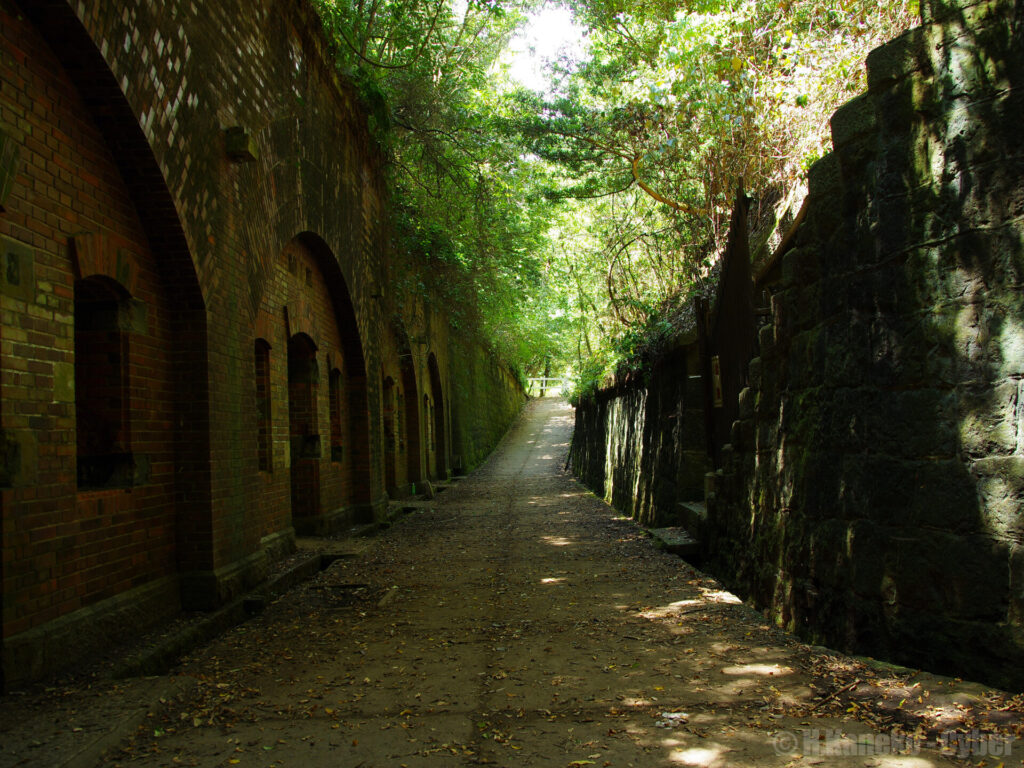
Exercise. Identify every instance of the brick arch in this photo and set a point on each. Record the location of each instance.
(440, 434)
(411, 398)
(103, 252)
(344, 309)
(356, 396)
(107, 254)
(108, 108)
(137, 241)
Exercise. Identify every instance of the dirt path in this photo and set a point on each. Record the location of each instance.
(516, 622)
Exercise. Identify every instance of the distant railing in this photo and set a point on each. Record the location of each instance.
(542, 386)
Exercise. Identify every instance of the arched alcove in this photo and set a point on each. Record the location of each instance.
(127, 313)
(408, 405)
(438, 426)
(303, 430)
(354, 393)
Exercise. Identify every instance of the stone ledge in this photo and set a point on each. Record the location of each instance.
(676, 540)
(694, 516)
(58, 644)
(158, 658)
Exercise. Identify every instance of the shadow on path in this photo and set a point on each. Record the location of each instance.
(516, 621)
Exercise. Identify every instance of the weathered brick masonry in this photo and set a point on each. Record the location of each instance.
(199, 351)
(872, 494)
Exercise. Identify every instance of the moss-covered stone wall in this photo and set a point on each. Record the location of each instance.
(640, 444)
(872, 495)
(486, 397)
(873, 499)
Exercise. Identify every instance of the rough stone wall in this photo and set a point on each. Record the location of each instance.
(874, 497)
(641, 445)
(207, 163)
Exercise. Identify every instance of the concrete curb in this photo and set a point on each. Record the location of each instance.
(91, 753)
(162, 656)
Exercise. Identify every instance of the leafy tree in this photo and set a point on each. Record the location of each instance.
(678, 102)
(462, 236)
(572, 226)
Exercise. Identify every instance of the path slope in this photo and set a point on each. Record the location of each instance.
(515, 621)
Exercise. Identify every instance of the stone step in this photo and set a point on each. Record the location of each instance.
(363, 529)
(676, 540)
(693, 515)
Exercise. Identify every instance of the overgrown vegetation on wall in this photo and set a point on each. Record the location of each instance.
(571, 226)
(869, 487)
(461, 236)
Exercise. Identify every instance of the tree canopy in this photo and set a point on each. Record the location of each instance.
(570, 226)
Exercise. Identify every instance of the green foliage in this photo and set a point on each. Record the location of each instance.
(461, 237)
(575, 226)
(651, 135)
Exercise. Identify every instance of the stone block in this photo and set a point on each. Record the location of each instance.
(794, 266)
(240, 145)
(754, 372)
(747, 403)
(944, 496)
(937, 10)
(710, 480)
(846, 352)
(742, 436)
(844, 422)
(863, 551)
(854, 120)
(976, 589)
(825, 189)
(914, 423)
(875, 488)
(693, 516)
(676, 540)
(989, 419)
(693, 392)
(938, 275)
(690, 474)
(1000, 482)
(1016, 605)
(896, 59)
(767, 434)
(693, 430)
(855, 162)
(806, 360)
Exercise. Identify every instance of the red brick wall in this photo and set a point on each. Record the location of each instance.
(64, 549)
(298, 302)
(120, 112)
